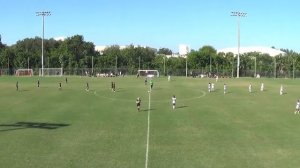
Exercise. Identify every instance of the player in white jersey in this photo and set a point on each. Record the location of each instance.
(209, 87)
(281, 90)
(212, 87)
(250, 88)
(169, 78)
(225, 88)
(262, 87)
(297, 107)
(173, 102)
(217, 77)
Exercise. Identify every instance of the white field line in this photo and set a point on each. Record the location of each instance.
(148, 131)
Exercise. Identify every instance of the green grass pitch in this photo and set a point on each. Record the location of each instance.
(48, 127)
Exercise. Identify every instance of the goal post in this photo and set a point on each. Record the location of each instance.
(148, 73)
(51, 71)
(24, 72)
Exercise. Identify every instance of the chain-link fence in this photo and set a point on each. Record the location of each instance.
(174, 72)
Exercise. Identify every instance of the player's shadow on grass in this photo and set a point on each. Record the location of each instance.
(180, 107)
(23, 90)
(25, 125)
(145, 110)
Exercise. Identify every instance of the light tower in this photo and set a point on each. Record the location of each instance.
(238, 14)
(43, 14)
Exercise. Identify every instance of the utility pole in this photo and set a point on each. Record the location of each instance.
(239, 15)
(92, 65)
(43, 14)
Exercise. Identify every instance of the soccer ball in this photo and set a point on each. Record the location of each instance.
(148, 91)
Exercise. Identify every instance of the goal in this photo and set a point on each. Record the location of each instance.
(24, 72)
(148, 73)
(51, 72)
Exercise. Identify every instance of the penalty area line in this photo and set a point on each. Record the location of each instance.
(148, 131)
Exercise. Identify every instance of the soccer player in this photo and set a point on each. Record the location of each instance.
(212, 87)
(250, 88)
(217, 77)
(297, 107)
(262, 87)
(38, 83)
(151, 84)
(114, 86)
(281, 90)
(66, 80)
(87, 87)
(59, 85)
(209, 87)
(146, 81)
(138, 103)
(17, 86)
(169, 78)
(173, 102)
(225, 88)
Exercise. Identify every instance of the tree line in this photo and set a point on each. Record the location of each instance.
(76, 53)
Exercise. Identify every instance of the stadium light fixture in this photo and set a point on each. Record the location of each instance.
(238, 15)
(43, 14)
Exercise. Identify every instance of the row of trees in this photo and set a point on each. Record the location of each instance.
(76, 53)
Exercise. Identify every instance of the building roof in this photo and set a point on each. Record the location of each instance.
(263, 50)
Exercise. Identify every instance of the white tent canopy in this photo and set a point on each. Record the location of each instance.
(263, 50)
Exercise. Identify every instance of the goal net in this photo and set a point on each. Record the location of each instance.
(149, 73)
(51, 72)
(24, 72)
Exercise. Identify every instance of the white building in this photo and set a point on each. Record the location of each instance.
(263, 50)
(184, 49)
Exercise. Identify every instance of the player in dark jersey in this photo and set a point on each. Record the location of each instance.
(151, 84)
(114, 86)
(17, 86)
(59, 85)
(66, 80)
(38, 83)
(138, 103)
(87, 86)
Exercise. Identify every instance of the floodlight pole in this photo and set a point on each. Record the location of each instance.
(210, 64)
(43, 14)
(92, 65)
(28, 63)
(293, 68)
(116, 64)
(238, 14)
(255, 67)
(274, 67)
(164, 65)
(186, 72)
(139, 62)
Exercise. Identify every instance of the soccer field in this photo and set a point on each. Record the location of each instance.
(72, 127)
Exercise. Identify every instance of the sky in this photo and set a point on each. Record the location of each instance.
(156, 23)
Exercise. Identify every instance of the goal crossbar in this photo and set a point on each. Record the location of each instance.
(24, 72)
(51, 71)
(148, 73)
